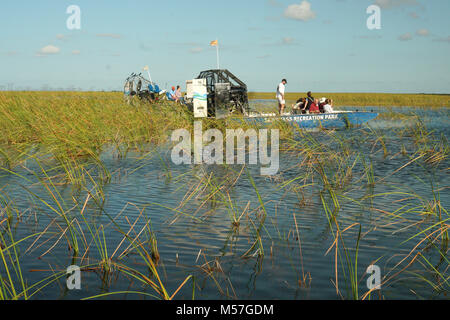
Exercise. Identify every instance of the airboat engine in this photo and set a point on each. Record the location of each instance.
(216, 93)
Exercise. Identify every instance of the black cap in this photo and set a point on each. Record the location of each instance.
(284, 80)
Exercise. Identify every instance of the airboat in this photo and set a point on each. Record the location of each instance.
(220, 94)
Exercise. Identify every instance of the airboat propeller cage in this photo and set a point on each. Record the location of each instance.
(217, 93)
(137, 85)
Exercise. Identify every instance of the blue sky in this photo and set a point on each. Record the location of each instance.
(323, 45)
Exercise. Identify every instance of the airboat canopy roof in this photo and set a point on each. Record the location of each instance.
(214, 76)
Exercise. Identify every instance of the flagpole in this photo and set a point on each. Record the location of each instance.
(146, 68)
(150, 77)
(217, 49)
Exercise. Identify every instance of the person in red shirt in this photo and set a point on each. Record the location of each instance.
(314, 108)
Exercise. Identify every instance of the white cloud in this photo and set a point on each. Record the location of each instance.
(423, 32)
(50, 49)
(76, 52)
(385, 4)
(300, 11)
(405, 37)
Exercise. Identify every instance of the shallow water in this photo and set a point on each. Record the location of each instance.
(186, 244)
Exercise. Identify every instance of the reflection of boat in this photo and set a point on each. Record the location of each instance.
(340, 119)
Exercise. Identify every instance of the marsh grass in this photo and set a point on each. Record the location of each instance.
(432, 236)
(81, 125)
(58, 139)
(368, 99)
(331, 166)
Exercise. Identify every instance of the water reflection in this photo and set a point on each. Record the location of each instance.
(211, 222)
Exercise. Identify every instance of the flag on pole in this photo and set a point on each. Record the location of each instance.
(215, 43)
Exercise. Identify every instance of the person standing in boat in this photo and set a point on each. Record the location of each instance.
(281, 90)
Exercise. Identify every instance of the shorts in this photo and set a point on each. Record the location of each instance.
(281, 101)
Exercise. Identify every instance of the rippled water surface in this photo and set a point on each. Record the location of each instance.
(149, 189)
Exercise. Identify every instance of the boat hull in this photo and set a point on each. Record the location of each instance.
(323, 120)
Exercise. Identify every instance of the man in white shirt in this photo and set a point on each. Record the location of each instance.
(281, 89)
